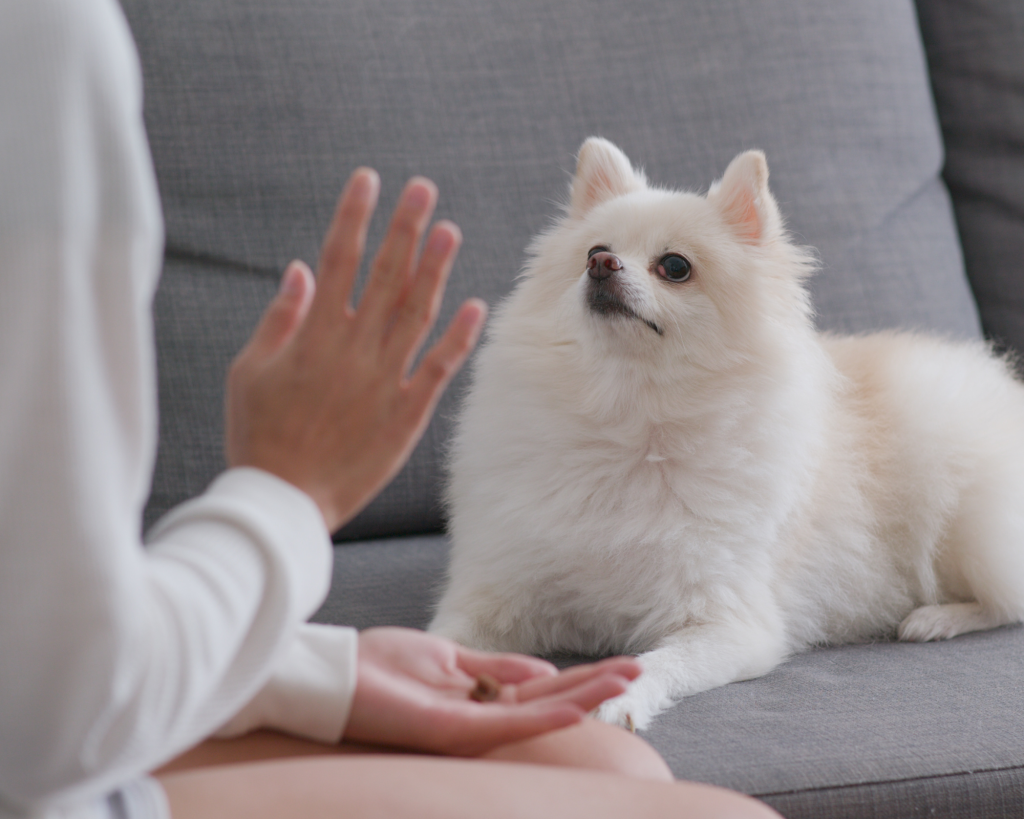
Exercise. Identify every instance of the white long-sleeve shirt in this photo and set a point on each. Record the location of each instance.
(113, 658)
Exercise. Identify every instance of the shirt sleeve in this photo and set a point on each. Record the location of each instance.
(116, 657)
(310, 691)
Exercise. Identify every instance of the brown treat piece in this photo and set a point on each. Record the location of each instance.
(487, 689)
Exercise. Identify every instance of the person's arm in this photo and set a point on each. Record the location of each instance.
(310, 690)
(114, 658)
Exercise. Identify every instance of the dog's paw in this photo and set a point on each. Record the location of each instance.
(923, 624)
(946, 621)
(626, 711)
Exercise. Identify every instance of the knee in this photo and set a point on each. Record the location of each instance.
(619, 751)
(591, 745)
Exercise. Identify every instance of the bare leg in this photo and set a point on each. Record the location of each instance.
(259, 746)
(391, 787)
(591, 744)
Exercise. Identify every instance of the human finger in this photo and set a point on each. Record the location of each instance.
(344, 245)
(418, 308)
(392, 266)
(505, 668)
(586, 695)
(443, 360)
(626, 668)
(485, 725)
(285, 313)
(473, 727)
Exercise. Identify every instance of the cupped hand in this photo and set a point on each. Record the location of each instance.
(413, 691)
(323, 394)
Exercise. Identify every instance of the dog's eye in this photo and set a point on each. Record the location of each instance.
(674, 267)
(596, 249)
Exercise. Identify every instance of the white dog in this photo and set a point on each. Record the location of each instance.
(660, 455)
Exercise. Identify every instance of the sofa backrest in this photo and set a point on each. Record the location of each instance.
(258, 109)
(976, 55)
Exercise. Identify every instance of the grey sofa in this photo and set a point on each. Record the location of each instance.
(895, 136)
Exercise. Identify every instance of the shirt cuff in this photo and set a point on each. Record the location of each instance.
(274, 514)
(310, 690)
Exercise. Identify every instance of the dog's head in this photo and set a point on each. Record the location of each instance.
(652, 275)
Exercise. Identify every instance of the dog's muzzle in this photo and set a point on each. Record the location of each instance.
(606, 294)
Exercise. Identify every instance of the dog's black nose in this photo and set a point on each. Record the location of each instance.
(602, 264)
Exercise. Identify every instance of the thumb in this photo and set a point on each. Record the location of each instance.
(286, 311)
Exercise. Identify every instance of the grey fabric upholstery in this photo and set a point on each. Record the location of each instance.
(890, 714)
(977, 794)
(257, 111)
(974, 50)
(386, 582)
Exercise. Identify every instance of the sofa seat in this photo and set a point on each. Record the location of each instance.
(884, 729)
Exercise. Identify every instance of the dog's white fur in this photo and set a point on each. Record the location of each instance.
(735, 487)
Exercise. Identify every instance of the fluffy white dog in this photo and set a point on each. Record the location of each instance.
(660, 455)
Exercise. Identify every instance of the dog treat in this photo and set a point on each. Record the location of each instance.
(487, 689)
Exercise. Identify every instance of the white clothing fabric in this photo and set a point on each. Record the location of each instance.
(113, 658)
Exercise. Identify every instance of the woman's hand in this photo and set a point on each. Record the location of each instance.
(413, 691)
(322, 395)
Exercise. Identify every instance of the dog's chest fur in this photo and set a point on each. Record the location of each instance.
(614, 530)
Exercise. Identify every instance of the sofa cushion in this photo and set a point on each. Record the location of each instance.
(883, 730)
(389, 582)
(889, 721)
(258, 110)
(974, 50)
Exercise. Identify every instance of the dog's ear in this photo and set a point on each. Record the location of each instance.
(743, 199)
(602, 172)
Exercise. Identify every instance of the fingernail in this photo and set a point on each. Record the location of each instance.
(418, 196)
(440, 242)
(291, 281)
(365, 182)
(470, 317)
